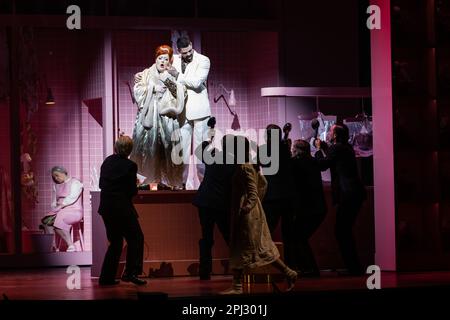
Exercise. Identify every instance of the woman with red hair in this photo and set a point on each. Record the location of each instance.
(160, 115)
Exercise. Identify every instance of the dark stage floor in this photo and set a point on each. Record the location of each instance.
(328, 294)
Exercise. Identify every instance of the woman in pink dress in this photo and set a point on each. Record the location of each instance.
(67, 208)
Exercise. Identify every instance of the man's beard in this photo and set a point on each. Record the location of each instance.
(187, 59)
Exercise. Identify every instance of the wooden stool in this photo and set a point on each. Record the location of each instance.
(265, 274)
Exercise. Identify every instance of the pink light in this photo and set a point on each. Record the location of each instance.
(384, 192)
(153, 186)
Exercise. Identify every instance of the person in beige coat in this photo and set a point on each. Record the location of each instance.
(251, 244)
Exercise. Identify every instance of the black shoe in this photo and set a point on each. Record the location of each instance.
(108, 282)
(133, 279)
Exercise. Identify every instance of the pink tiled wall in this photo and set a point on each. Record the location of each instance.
(229, 68)
(92, 80)
(244, 62)
(58, 127)
(263, 72)
(67, 134)
(92, 84)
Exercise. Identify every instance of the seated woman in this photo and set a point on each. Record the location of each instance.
(161, 114)
(67, 208)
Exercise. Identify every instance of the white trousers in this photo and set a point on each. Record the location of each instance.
(193, 133)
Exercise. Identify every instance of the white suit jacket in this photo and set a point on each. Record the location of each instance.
(194, 78)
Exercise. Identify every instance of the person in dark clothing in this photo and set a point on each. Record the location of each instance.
(213, 201)
(277, 201)
(347, 189)
(118, 186)
(309, 206)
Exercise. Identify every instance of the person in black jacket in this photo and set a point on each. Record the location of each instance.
(277, 201)
(348, 192)
(213, 200)
(309, 206)
(118, 186)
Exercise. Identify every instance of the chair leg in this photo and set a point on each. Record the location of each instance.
(58, 247)
(80, 234)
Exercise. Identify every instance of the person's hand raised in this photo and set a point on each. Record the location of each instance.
(172, 71)
(318, 143)
(160, 88)
(164, 75)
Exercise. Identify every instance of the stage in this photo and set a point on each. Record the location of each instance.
(326, 294)
(171, 230)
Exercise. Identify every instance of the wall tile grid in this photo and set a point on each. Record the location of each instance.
(67, 134)
(58, 127)
(92, 84)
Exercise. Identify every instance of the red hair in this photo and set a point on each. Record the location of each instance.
(164, 49)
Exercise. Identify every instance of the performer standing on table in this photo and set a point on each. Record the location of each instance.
(161, 100)
(191, 69)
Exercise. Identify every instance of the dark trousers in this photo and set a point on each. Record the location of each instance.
(208, 218)
(275, 211)
(118, 228)
(306, 223)
(346, 213)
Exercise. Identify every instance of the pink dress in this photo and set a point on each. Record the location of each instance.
(70, 192)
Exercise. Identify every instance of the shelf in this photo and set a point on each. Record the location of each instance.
(318, 92)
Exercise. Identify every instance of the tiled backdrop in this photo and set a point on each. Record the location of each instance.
(263, 66)
(92, 84)
(70, 133)
(58, 127)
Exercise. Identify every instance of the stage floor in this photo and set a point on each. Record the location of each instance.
(50, 284)
(33, 291)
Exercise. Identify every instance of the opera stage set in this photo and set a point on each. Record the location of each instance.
(66, 95)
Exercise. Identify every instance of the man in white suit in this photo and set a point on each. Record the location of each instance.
(191, 69)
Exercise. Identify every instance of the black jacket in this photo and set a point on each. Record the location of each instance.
(215, 189)
(118, 186)
(279, 185)
(308, 197)
(345, 182)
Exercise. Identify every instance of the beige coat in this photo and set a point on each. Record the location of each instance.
(251, 244)
(156, 130)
